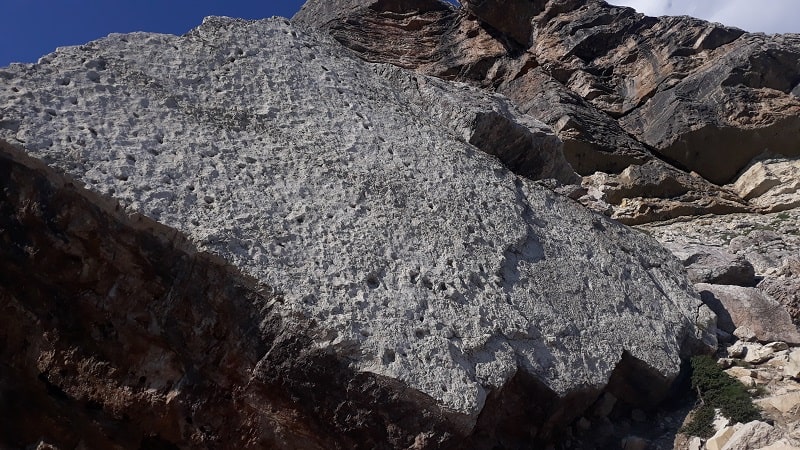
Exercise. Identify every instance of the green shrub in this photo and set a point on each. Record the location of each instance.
(702, 422)
(717, 389)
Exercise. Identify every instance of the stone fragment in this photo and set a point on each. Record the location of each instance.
(741, 372)
(720, 438)
(788, 403)
(605, 405)
(782, 444)
(737, 350)
(757, 354)
(635, 443)
(777, 346)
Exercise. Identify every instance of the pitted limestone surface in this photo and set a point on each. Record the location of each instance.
(344, 185)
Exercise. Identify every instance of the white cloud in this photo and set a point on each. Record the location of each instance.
(769, 16)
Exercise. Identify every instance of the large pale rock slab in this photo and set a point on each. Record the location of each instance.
(788, 403)
(656, 191)
(782, 444)
(748, 308)
(360, 192)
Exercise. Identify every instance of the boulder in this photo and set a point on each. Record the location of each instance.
(752, 435)
(788, 403)
(656, 191)
(771, 185)
(786, 290)
(740, 308)
(382, 253)
(714, 265)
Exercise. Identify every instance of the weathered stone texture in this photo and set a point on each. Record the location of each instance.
(388, 223)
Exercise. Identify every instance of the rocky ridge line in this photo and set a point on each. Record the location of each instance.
(620, 89)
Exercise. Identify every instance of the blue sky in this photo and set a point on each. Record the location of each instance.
(30, 29)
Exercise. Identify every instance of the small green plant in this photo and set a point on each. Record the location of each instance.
(701, 423)
(718, 390)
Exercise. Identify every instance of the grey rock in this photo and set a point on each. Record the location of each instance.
(767, 241)
(372, 211)
(706, 264)
(748, 308)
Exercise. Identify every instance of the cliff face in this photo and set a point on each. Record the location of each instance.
(118, 333)
(619, 88)
(278, 244)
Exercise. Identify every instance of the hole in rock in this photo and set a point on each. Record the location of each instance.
(389, 356)
(372, 281)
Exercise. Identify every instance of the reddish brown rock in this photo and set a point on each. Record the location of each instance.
(616, 86)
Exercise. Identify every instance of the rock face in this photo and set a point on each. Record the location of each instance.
(118, 333)
(768, 242)
(412, 271)
(619, 88)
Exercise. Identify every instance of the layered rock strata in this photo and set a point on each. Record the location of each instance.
(619, 88)
(413, 269)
